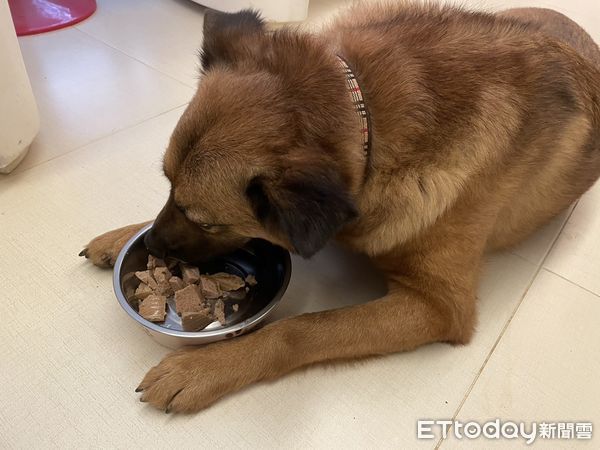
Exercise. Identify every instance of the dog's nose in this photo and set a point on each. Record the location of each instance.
(155, 245)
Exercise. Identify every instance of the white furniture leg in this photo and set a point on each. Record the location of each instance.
(19, 119)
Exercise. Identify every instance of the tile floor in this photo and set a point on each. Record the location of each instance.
(110, 91)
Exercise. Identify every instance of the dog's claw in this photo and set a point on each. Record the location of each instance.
(168, 408)
(84, 252)
(139, 389)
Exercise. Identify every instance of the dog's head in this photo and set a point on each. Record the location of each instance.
(251, 157)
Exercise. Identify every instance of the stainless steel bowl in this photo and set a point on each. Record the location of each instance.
(270, 264)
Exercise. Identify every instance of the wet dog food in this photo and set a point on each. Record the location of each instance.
(199, 299)
(154, 308)
(189, 299)
(189, 274)
(194, 321)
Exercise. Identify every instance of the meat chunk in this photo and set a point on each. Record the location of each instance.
(251, 280)
(197, 320)
(130, 283)
(239, 294)
(219, 311)
(154, 308)
(189, 299)
(228, 282)
(176, 283)
(145, 276)
(210, 288)
(162, 276)
(143, 291)
(189, 274)
(154, 262)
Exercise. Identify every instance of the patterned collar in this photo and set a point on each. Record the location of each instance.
(359, 102)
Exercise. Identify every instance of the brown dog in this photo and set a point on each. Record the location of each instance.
(482, 127)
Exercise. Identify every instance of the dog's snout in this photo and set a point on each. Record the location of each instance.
(155, 245)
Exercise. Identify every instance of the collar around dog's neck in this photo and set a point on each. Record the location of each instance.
(358, 101)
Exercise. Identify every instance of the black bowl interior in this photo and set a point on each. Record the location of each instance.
(269, 263)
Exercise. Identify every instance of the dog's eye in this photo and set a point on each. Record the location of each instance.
(207, 226)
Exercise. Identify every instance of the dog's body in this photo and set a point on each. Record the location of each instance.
(482, 127)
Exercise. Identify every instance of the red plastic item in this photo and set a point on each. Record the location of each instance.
(39, 16)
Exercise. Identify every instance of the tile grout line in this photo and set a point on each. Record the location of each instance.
(134, 58)
(572, 282)
(507, 324)
(82, 146)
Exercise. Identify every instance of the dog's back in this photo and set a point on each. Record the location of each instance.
(559, 26)
(474, 108)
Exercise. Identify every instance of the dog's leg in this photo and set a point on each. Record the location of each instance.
(190, 380)
(431, 299)
(104, 249)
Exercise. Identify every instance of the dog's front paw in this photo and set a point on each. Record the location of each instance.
(104, 249)
(192, 379)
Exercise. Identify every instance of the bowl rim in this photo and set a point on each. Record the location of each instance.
(245, 324)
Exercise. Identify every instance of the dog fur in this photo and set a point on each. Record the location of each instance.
(483, 127)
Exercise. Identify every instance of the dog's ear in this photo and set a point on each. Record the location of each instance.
(226, 34)
(307, 209)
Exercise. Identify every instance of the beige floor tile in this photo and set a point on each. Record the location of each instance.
(535, 248)
(86, 90)
(545, 367)
(73, 357)
(576, 254)
(165, 34)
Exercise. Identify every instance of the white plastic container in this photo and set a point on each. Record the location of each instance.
(19, 118)
(274, 10)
